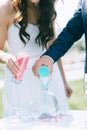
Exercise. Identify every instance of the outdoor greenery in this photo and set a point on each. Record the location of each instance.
(78, 46)
(0, 103)
(78, 100)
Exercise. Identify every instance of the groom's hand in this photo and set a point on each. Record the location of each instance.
(46, 61)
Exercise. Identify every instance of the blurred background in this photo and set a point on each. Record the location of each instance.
(73, 60)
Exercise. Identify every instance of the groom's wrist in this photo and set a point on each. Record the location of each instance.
(49, 58)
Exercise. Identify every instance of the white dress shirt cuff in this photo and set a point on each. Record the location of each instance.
(48, 57)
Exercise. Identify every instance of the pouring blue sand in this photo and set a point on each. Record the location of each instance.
(43, 72)
(45, 106)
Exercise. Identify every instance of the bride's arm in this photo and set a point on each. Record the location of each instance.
(3, 33)
(68, 89)
(5, 20)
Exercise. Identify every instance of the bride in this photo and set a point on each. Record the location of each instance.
(27, 25)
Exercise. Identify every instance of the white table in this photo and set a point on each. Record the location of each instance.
(78, 122)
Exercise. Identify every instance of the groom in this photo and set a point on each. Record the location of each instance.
(75, 28)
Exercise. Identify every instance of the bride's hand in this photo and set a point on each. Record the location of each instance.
(13, 65)
(68, 90)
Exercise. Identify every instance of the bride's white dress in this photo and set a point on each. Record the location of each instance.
(30, 86)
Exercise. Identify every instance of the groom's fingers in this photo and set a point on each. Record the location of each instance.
(46, 61)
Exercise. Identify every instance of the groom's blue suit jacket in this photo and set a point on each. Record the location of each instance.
(75, 28)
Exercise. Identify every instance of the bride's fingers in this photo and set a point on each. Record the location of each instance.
(14, 67)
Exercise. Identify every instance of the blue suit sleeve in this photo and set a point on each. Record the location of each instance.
(70, 34)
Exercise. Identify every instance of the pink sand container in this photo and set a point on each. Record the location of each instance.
(22, 60)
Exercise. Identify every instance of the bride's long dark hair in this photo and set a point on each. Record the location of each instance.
(44, 23)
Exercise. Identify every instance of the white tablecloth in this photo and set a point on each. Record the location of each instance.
(77, 122)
